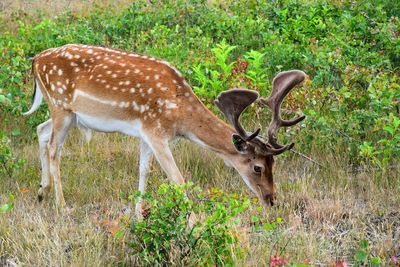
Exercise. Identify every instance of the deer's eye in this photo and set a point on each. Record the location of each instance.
(257, 169)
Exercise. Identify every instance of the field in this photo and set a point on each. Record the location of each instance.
(338, 192)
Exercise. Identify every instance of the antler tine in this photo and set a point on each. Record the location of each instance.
(282, 84)
(232, 103)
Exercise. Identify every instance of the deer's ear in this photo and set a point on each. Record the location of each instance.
(241, 145)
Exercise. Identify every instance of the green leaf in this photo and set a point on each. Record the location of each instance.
(364, 244)
(389, 129)
(16, 132)
(254, 219)
(268, 227)
(375, 261)
(4, 100)
(360, 256)
(119, 234)
(6, 207)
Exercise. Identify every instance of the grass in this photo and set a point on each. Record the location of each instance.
(51, 8)
(326, 211)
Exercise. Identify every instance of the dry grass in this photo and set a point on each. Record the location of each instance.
(51, 8)
(325, 211)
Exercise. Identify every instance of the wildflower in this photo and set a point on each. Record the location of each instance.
(342, 263)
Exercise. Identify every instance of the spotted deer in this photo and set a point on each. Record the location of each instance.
(109, 90)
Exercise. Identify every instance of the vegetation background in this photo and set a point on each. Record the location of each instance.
(343, 210)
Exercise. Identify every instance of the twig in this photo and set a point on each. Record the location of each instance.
(7, 170)
(307, 157)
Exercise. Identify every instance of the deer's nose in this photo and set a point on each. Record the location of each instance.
(269, 199)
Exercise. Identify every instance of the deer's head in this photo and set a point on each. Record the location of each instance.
(255, 160)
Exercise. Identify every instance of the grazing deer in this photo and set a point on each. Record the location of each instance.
(108, 90)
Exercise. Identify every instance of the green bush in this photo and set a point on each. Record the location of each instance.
(8, 162)
(166, 236)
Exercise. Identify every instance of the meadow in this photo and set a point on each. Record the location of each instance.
(338, 192)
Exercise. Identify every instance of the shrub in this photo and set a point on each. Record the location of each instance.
(8, 162)
(166, 237)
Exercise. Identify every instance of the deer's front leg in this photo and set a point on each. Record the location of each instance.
(163, 154)
(44, 133)
(144, 166)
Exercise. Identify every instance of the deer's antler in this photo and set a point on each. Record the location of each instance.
(233, 102)
(282, 84)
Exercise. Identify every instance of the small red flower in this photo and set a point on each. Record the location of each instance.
(341, 263)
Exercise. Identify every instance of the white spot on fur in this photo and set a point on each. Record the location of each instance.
(135, 106)
(60, 72)
(156, 77)
(150, 90)
(160, 102)
(68, 55)
(170, 104)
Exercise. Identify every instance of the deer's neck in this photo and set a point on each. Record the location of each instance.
(207, 130)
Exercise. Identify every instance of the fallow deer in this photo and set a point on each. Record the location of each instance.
(109, 90)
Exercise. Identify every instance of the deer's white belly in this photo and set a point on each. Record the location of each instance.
(132, 128)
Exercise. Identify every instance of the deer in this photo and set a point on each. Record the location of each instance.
(110, 90)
